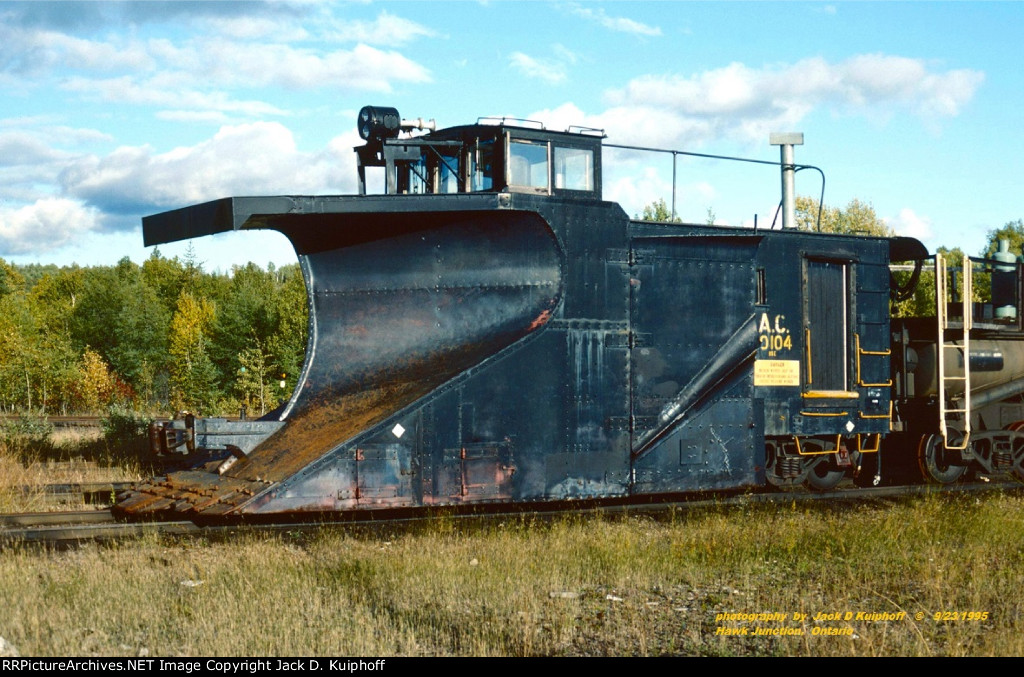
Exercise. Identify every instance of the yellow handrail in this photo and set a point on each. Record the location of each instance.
(878, 444)
(801, 452)
(880, 353)
(807, 348)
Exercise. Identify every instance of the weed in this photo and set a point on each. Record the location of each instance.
(579, 586)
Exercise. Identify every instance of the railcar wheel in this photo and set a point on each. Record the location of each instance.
(822, 475)
(938, 464)
(822, 472)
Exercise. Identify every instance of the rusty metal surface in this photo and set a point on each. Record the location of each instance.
(188, 491)
(321, 426)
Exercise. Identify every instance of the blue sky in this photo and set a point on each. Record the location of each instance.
(110, 111)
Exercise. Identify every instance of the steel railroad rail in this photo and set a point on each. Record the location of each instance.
(62, 529)
(86, 492)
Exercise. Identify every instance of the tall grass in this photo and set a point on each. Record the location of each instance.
(577, 586)
(33, 453)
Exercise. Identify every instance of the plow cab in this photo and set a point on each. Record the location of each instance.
(495, 155)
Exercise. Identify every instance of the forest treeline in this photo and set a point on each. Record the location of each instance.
(160, 337)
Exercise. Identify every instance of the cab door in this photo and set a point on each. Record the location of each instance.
(827, 326)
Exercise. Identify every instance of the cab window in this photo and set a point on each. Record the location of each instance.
(574, 168)
(418, 173)
(448, 172)
(482, 166)
(528, 165)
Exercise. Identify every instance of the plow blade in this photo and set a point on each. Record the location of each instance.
(400, 304)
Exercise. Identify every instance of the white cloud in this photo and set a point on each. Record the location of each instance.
(636, 125)
(706, 191)
(153, 93)
(363, 67)
(548, 70)
(205, 116)
(193, 74)
(619, 24)
(634, 191)
(248, 159)
(47, 224)
(649, 126)
(62, 134)
(30, 157)
(253, 65)
(564, 53)
(257, 27)
(31, 52)
(22, 148)
(386, 29)
(233, 64)
(561, 117)
(85, 54)
(910, 224)
(738, 100)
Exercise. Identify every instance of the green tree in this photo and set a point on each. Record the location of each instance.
(97, 385)
(55, 295)
(287, 345)
(658, 211)
(1012, 231)
(139, 351)
(51, 300)
(245, 314)
(158, 328)
(193, 375)
(35, 364)
(857, 218)
(11, 281)
(18, 353)
(97, 309)
(120, 316)
(57, 372)
(253, 378)
(164, 277)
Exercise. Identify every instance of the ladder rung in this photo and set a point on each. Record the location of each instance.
(950, 317)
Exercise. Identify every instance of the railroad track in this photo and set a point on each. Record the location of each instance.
(65, 528)
(58, 421)
(62, 529)
(75, 421)
(86, 492)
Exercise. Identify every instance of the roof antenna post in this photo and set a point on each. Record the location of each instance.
(786, 141)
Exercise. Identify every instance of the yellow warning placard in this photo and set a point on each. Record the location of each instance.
(777, 373)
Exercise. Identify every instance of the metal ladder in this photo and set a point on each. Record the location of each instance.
(948, 414)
